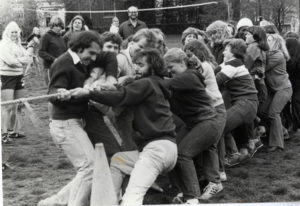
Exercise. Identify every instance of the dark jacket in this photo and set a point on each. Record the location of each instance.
(276, 74)
(126, 28)
(108, 61)
(217, 51)
(190, 100)
(64, 74)
(293, 65)
(147, 97)
(52, 46)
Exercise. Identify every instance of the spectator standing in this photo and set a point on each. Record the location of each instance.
(52, 45)
(13, 59)
(32, 49)
(77, 24)
(114, 28)
(132, 25)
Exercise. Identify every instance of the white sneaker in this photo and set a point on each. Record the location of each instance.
(211, 189)
(223, 176)
(192, 202)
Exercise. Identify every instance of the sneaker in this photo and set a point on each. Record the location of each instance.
(211, 189)
(223, 176)
(6, 138)
(16, 135)
(192, 202)
(178, 199)
(232, 160)
(237, 158)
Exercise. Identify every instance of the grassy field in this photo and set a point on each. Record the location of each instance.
(40, 169)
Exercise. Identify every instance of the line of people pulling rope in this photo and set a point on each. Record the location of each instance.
(177, 111)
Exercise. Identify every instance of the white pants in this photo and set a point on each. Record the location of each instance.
(157, 157)
(71, 137)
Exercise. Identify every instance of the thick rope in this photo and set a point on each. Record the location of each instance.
(21, 100)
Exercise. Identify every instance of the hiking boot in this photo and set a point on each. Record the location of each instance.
(223, 176)
(211, 189)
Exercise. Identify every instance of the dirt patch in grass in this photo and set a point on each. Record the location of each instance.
(41, 169)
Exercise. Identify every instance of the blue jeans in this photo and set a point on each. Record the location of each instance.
(241, 113)
(210, 156)
(195, 140)
(271, 110)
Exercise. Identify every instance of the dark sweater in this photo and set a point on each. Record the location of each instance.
(108, 61)
(237, 80)
(190, 100)
(52, 46)
(147, 99)
(64, 74)
(126, 28)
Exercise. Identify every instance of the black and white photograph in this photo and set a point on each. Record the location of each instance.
(150, 102)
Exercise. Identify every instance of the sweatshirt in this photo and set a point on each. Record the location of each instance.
(147, 97)
(13, 57)
(190, 100)
(237, 80)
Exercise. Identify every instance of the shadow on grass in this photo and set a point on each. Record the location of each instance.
(280, 191)
(64, 164)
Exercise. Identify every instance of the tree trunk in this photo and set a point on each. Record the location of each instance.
(236, 7)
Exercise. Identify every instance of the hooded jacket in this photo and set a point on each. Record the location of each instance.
(12, 54)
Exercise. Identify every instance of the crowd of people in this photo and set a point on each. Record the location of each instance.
(187, 112)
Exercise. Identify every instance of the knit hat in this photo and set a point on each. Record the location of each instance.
(244, 22)
(189, 30)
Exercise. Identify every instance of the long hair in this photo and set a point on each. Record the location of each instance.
(11, 26)
(218, 32)
(201, 51)
(260, 36)
(279, 44)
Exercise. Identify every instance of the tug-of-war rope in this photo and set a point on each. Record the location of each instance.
(35, 120)
(124, 11)
(22, 100)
